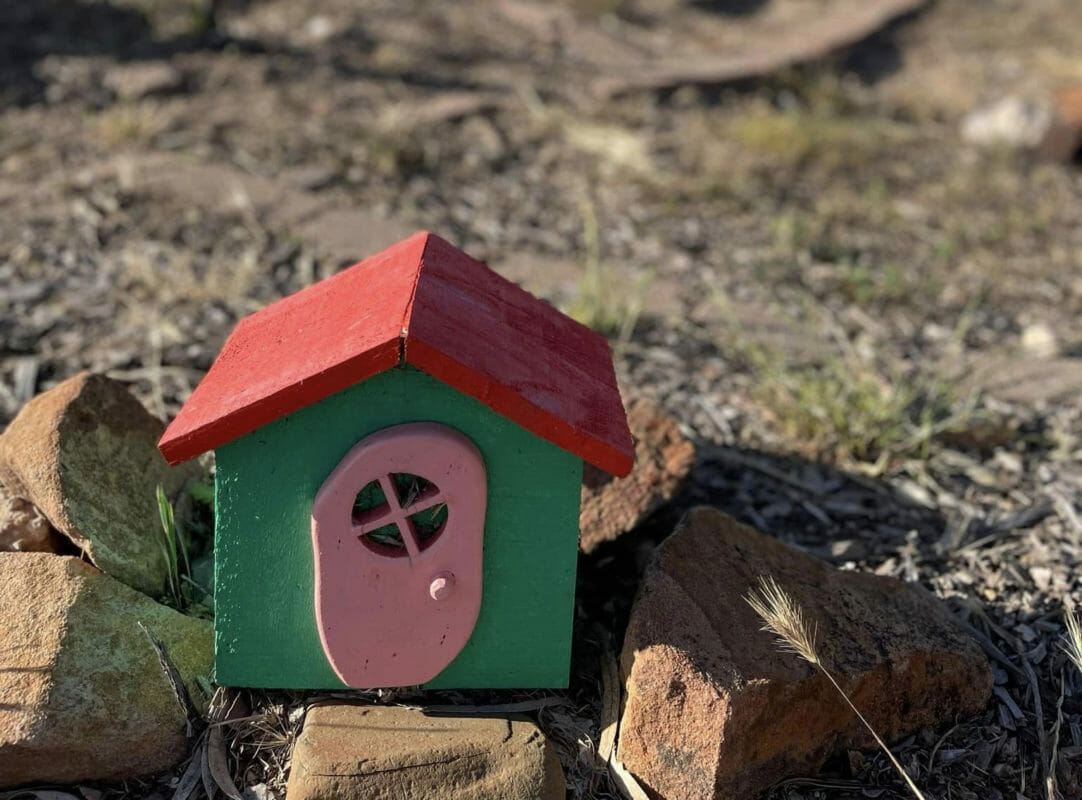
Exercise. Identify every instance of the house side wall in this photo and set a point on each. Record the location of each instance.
(265, 625)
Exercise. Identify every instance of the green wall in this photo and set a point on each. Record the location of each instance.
(265, 626)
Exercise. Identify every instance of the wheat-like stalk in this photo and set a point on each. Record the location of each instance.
(1074, 639)
(785, 619)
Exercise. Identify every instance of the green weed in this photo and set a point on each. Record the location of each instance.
(845, 412)
(182, 591)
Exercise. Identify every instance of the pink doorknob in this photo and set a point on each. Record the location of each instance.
(441, 585)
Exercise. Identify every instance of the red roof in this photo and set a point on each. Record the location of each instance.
(426, 303)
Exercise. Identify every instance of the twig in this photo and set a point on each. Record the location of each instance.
(1050, 780)
(180, 690)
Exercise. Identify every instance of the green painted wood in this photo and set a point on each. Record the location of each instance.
(265, 628)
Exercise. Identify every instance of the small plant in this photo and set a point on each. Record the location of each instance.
(849, 413)
(182, 592)
(604, 302)
(785, 619)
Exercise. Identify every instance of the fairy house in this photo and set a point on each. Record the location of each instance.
(399, 453)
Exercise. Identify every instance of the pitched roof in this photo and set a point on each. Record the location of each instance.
(426, 303)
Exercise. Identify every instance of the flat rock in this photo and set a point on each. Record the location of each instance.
(663, 459)
(82, 695)
(376, 752)
(86, 454)
(715, 710)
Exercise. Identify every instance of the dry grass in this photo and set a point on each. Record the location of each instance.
(605, 302)
(128, 125)
(845, 411)
(784, 618)
(1074, 639)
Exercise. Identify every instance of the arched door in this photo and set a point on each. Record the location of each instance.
(397, 531)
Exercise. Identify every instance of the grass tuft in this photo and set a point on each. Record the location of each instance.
(604, 302)
(847, 412)
(181, 590)
(784, 618)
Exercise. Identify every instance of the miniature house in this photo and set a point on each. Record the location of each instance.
(399, 456)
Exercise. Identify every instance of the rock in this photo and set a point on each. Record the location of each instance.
(388, 751)
(1063, 140)
(24, 528)
(143, 78)
(85, 453)
(1039, 340)
(715, 709)
(82, 695)
(1011, 122)
(663, 458)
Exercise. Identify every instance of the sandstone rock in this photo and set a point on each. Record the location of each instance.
(85, 453)
(390, 752)
(24, 528)
(714, 709)
(1063, 140)
(663, 459)
(82, 695)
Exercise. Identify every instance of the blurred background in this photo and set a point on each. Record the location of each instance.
(814, 223)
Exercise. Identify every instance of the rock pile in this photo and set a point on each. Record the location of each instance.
(85, 453)
(83, 695)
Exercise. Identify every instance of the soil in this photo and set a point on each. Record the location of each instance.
(870, 329)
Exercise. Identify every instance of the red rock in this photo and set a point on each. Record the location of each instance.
(663, 458)
(1063, 140)
(715, 710)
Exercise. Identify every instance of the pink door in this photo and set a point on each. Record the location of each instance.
(397, 531)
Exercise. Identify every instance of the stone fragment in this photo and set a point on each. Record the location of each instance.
(24, 528)
(86, 454)
(1012, 122)
(1039, 340)
(715, 710)
(1063, 140)
(82, 695)
(663, 458)
(347, 752)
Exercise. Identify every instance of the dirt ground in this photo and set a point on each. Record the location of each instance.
(871, 329)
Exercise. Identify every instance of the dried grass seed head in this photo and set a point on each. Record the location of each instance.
(784, 618)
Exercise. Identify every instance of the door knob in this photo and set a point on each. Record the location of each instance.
(441, 586)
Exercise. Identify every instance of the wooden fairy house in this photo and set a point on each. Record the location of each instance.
(399, 453)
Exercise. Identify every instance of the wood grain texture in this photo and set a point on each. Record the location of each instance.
(299, 350)
(265, 621)
(453, 317)
(496, 342)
